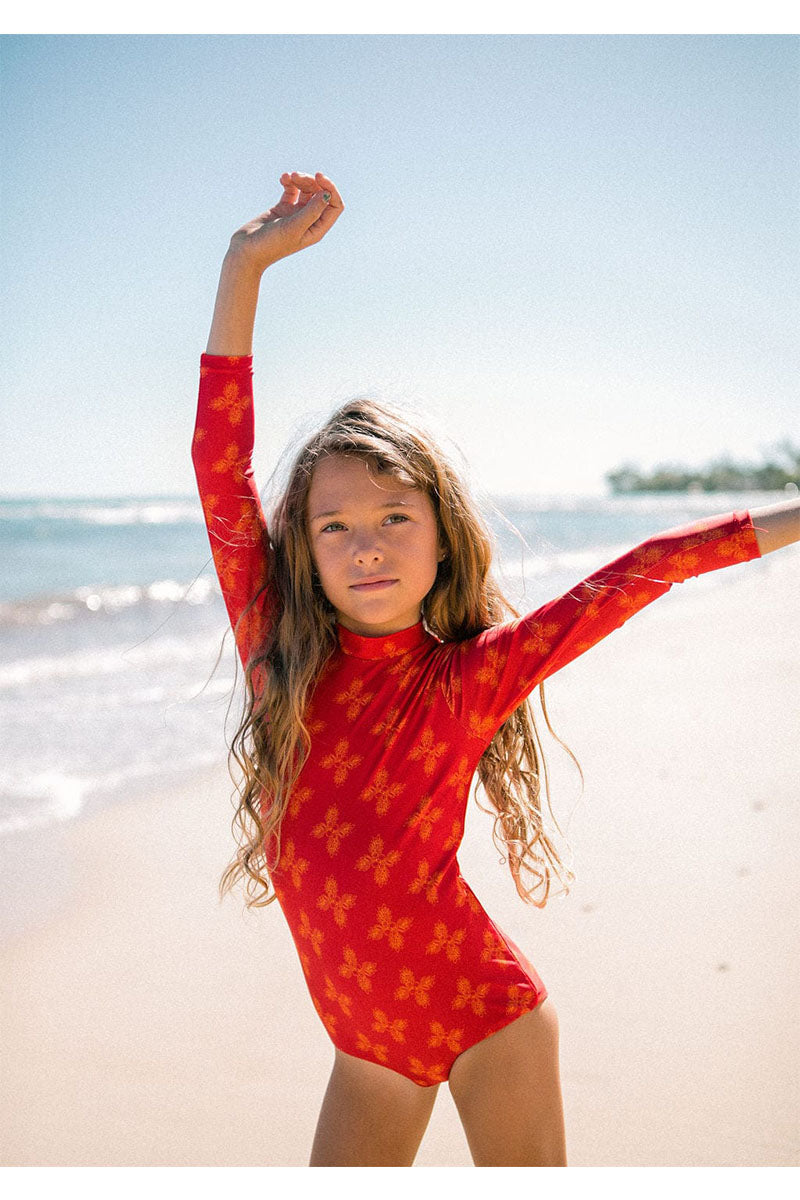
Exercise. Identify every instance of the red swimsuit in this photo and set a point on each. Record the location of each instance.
(404, 966)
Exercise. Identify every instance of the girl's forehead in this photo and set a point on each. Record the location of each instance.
(341, 473)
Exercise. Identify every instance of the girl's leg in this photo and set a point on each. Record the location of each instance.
(371, 1116)
(507, 1090)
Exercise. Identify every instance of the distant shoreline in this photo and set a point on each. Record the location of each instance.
(696, 488)
(719, 476)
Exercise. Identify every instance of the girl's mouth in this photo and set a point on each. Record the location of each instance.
(373, 587)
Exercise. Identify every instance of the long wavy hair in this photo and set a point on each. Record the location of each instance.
(272, 742)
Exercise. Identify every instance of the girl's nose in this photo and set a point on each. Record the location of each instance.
(368, 552)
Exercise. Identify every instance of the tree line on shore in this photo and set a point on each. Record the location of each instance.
(782, 471)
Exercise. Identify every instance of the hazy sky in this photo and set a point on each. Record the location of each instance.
(572, 250)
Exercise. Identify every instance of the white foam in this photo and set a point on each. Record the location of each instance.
(44, 799)
(144, 512)
(84, 600)
(111, 660)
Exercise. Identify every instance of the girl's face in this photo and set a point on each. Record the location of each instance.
(361, 529)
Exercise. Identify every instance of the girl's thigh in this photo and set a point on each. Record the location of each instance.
(507, 1090)
(371, 1116)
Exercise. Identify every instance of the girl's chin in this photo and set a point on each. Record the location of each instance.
(382, 626)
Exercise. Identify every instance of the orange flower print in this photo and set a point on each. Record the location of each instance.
(331, 901)
(355, 698)
(451, 1038)
(424, 818)
(482, 727)
(227, 569)
(629, 602)
(680, 566)
(248, 529)
(404, 674)
(493, 948)
(382, 1024)
(329, 1020)
(429, 750)
(390, 727)
(315, 936)
(393, 930)
(381, 792)
(426, 1075)
(646, 556)
(415, 989)
(250, 633)
(378, 862)
(460, 777)
(471, 997)
(371, 1049)
(592, 609)
(445, 941)
(332, 831)
(341, 998)
(492, 668)
(465, 896)
(519, 999)
(231, 463)
(231, 402)
(293, 864)
(299, 797)
(210, 502)
(340, 762)
(454, 840)
(362, 973)
(732, 547)
(427, 882)
(540, 641)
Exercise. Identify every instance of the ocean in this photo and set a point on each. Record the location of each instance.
(112, 623)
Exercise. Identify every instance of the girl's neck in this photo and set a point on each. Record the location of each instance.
(386, 645)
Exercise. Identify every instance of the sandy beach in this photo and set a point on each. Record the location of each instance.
(144, 1024)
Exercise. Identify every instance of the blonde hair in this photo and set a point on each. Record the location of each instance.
(272, 742)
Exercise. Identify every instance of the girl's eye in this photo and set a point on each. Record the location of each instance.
(325, 528)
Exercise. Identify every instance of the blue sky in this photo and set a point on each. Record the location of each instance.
(571, 251)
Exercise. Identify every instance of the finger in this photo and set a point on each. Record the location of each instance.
(330, 187)
(306, 215)
(306, 183)
(319, 227)
(289, 188)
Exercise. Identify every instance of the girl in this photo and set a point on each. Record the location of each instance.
(382, 672)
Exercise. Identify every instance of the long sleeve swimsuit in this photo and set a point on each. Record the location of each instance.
(404, 966)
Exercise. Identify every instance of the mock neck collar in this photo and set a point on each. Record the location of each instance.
(387, 645)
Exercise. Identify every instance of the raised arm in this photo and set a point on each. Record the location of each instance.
(221, 452)
(305, 212)
(222, 445)
(491, 674)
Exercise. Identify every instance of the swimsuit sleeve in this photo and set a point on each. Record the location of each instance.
(221, 454)
(491, 674)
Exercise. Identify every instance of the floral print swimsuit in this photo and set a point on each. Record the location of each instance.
(404, 966)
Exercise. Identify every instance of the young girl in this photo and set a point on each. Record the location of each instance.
(382, 672)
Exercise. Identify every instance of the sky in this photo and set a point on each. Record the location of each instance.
(568, 252)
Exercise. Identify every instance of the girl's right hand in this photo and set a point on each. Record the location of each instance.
(301, 217)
